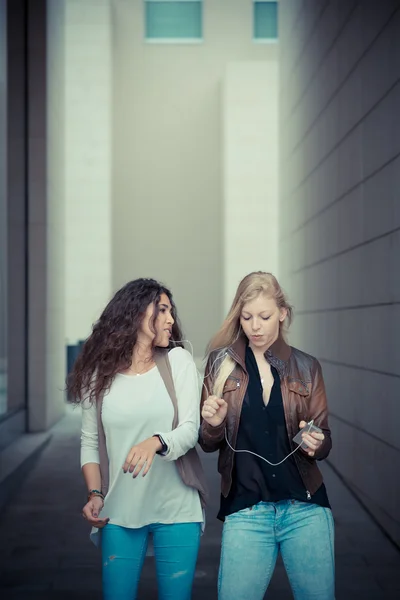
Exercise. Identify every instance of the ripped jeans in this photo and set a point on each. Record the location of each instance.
(123, 552)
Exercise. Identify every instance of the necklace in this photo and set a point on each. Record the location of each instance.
(137, 374)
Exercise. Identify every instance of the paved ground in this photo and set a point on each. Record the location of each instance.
(45, 552)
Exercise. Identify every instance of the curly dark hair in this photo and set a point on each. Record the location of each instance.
(108, 349)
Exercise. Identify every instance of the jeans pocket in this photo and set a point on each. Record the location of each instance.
(244, 512)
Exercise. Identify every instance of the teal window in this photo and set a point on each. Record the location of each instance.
(265, 20)
(173, 19)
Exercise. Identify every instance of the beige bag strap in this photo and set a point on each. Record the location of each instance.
(189, 465)
(104, 469)
(164, 366)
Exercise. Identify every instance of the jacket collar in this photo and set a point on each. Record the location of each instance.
(277, 355)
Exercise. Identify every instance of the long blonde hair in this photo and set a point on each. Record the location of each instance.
(251, 286)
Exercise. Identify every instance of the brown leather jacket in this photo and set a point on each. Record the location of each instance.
(304, 398)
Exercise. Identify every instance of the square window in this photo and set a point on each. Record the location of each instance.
(265, 20)
(173, 20)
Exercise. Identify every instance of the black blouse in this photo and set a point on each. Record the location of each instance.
(262, 429)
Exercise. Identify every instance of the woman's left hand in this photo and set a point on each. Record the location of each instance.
(313, 440)
(141, 456)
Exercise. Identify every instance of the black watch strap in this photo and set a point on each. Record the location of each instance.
(164, 448)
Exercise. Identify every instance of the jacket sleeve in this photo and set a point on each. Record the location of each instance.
(318, 410)
(211, 438)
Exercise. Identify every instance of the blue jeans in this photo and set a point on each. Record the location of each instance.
(123, 552)
(251, 539)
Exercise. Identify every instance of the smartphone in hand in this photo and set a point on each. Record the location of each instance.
(309, 428)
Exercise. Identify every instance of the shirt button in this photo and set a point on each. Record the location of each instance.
(273, 475)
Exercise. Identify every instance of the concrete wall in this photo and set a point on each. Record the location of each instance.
(340, 226)
(45, 220)
(37, 226)
(168, 156)
(72, 224)
(16, 210)
(250, 171)
(35, 214)
(3, 206)
(56, 210)
(87, 121)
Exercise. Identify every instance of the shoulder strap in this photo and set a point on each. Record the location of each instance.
(164, 366)
(102, 447)
(189, 465)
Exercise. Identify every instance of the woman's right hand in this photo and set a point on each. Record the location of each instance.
(214, 410)
(91, 511)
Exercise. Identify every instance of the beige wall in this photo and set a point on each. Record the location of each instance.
(340, 166)
(168, 156)
(88, 146)
(250, 171)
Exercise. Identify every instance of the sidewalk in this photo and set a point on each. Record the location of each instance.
(46, 554)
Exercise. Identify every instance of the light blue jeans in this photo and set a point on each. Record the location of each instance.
(123, 552)
(251, 539)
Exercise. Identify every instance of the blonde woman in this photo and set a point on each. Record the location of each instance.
(258, 393)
